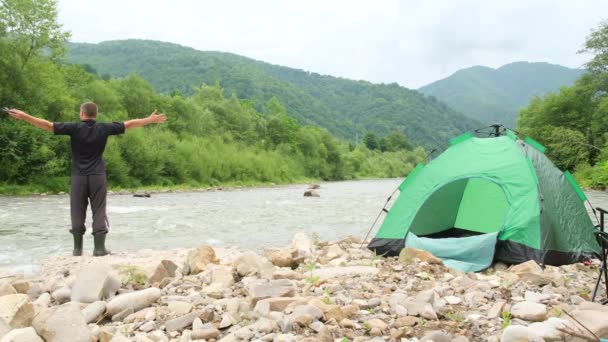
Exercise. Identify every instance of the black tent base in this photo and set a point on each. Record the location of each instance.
(508, 252)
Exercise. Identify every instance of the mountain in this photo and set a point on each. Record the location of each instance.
(347, 108)
(496, 95)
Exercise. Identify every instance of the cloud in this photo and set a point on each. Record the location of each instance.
(409, 42)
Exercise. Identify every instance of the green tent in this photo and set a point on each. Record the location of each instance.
(486, 199)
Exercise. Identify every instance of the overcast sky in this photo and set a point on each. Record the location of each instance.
(409, 42)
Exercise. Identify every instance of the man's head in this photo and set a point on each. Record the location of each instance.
(88, 111)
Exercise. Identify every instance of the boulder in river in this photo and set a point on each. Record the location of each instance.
(311, 193)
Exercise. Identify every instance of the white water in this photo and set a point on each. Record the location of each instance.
(33, 228)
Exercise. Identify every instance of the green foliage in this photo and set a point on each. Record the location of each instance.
(506, 319)
(135, 275)
(496, 95)
(344, 107)
(210, 138)
(456, 316)
(597, 44)
(572, 122)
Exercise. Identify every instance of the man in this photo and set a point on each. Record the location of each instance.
(88, 181)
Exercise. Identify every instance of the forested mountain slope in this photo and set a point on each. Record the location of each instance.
(345, 107)
(496, 95)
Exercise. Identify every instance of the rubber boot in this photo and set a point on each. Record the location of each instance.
(99, 240)
(77, 245)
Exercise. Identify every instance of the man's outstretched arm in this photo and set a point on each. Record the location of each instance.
(153, 118)
(40, 123)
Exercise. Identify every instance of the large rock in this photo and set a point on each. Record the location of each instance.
(303, 245)
(94, 282)
(530, 272)
(93, 311)
(330, 253)
(134, 300)
(529, 311)
(594, 316)
(198, 259)
(4, 328)
(519, 333)
(222, 275)
(165, 269)
(263, 289)
(284, 257)
(553, 329)
(250, 264)
(411, 255)
(311, 193)
(16, 310)
(22, 335)
(62, 323)
(6, 288)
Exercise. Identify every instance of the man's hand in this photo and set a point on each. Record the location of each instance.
(40, 123)
(157, 118)
(153, 118)
(17, 114)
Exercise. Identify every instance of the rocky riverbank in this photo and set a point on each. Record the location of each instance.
(308, 291)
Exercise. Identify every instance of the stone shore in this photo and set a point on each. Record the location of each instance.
(307, 291)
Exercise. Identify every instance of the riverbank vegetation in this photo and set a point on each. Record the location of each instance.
(573, 122)
(211, 137)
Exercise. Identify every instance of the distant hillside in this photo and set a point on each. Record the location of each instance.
(496, 95)
(345, 107)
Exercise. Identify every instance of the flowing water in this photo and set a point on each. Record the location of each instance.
(32, 228)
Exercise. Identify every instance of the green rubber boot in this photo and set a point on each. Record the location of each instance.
(99, 240)
(77, 245)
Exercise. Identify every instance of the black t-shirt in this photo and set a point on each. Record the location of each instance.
(88, 139)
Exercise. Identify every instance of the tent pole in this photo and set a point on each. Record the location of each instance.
(377, 217)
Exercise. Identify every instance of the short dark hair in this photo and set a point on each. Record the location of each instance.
(89, 109)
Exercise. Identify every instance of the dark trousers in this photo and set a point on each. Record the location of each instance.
(82, 190)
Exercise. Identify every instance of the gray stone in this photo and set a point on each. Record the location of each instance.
(16, 310)
(43, 301)
(205, 334)
(436, 336)
(6, 288)
(181, 322)
(198, 260)
(250, 264)
(518, 333)
(263, 289)
(529, 311)
(62, 323)
(94, 311)
(165, 269)
(266, 326)
(62, 295)
(496, 309)
(22, 335)
(135, 300)
(179, 307)
(594, 316)
(530, 272)
(283, 257)
(122, 315)
(424, 310)
(94, 282)
(550, 329)
(222, 275)
(228, 319)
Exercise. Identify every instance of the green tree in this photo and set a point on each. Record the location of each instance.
(371, 141)
(597, 44)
